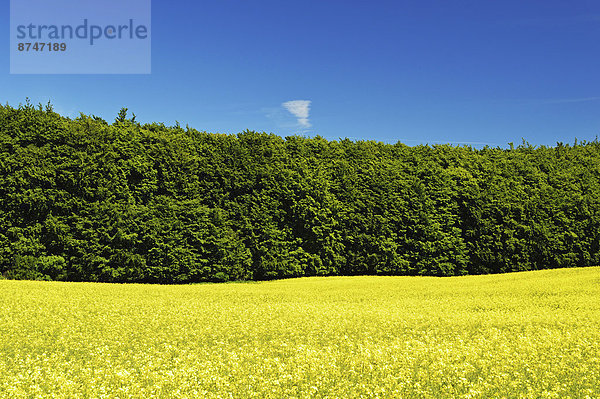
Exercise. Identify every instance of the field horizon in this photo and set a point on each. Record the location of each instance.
(529, 334)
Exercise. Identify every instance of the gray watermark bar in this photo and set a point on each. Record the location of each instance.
(80, 37)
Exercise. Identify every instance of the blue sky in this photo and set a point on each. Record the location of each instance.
(424, 71)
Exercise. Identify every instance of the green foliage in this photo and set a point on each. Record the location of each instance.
(81, 199)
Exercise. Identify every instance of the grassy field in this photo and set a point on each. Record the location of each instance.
(532, 334)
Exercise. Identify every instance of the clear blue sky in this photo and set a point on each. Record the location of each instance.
(422, 71)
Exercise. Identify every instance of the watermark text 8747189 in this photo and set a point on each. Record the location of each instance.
(41, 46)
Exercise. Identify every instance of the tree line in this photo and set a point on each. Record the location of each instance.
(86, 200)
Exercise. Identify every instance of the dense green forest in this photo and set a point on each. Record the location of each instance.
(87, 200)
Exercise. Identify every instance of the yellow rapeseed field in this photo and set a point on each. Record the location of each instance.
(523, 335)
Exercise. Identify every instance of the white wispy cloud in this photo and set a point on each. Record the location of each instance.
(300, 109)
(547, 101)
(553, 21)
(571, 100)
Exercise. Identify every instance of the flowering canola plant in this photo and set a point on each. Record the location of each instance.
(521, 335)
